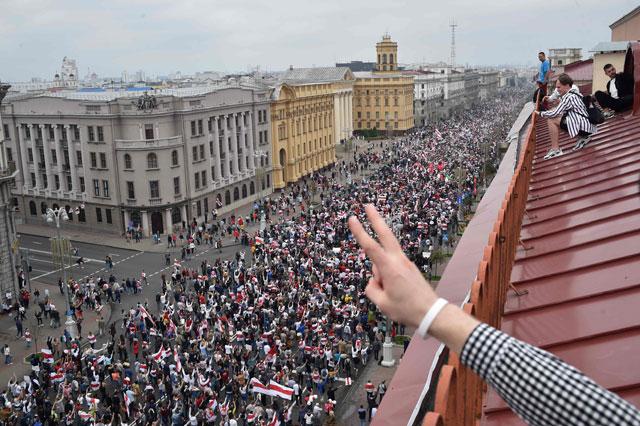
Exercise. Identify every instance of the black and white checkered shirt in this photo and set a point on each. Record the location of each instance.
(539, 387)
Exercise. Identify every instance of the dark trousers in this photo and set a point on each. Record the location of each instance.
(606, 101)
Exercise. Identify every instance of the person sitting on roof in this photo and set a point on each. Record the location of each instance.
(537, 386)
(619, 94)
(570, 115)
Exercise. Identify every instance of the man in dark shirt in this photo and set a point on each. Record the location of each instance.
(362, 415)
(619, 94)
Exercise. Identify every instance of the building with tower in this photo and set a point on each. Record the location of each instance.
(383, 98)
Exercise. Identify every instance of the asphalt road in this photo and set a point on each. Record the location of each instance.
(127, 263)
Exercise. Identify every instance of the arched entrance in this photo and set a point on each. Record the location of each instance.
(283, 163)
(156, 223)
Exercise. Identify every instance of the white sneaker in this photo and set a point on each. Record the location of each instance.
(549, 154)
(555, 153)
(582, 142)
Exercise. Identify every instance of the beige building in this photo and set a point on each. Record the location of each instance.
(627, 27)
(132, 159)
(607, 52)
(311, 113)
(383, 99)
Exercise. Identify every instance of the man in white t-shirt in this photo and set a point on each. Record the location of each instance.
(619, 94)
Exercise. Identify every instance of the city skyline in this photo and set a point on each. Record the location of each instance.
(160, 37)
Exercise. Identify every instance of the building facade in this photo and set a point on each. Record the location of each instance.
(489, 82)
(311, 113)
(383, 98)
(627, 28)
(8, 254)
(150, 161)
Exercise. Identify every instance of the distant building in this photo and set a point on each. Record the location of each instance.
(606, 52)
(311, 112)
(558, 58)
(136, 160)
(627, 27)
(383, 98)
(8, 258)
(358, 66)
(489, 83)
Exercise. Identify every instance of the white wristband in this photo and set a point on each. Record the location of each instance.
(430, 316)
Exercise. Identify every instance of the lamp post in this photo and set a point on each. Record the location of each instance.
(260, 154)
(387, 346)
(54, 216)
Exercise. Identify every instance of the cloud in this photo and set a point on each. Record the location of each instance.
(161, 36)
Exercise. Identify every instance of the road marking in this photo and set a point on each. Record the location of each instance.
(37, 243)
(86, 259)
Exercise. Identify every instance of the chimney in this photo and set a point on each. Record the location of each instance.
(290, 67)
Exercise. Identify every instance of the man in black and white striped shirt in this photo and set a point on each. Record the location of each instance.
(539, 387)
(570, 115)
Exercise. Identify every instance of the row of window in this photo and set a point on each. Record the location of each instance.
(105, 188)
(56, 182)
(197, 126)
(93, 156)
(376, 125)
(81, 215)
(377, 103)
(386, 115)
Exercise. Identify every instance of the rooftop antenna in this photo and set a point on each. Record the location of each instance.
(453, 26)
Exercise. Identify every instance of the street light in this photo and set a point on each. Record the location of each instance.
(260, 154)
(54, 216)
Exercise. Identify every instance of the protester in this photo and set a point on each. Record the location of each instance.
(570, 115)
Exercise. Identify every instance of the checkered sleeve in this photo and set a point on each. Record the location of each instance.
(538, 386)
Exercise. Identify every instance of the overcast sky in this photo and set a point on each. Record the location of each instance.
(163, 36)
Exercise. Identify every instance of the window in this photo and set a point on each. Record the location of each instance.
(57, 181)
(148, 131)
(206, 205)
(94, 159)
(194, 153)
(82, 187)
(203, 178)
(193, 128)
(96, 187)
(154, 189)
(9, 154)
(5, 130)
(79, 158)
(131, 193)
(69, 182)
(30, 154)
(100, 133)
(152, 161)
(197, 180)
(108, 212)
(198, 208)
(32, 208)
(98, 214)
(176, 185)
(201, 152)
(82, 217)
(174, 158)
(91, 132)
(103, 160)
(33, 180)
(127, 161)
(236, 194)
(27, 132)
(200, 128)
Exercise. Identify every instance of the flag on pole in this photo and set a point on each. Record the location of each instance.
(145, 315)
(84, 415)
(127, 402)
(274, 421)
(56, 377)
(259, 240)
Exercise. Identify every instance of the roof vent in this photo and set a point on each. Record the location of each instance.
(290, 67)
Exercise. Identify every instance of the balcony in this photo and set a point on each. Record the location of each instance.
(148, 144)
(155, 201)
(131, 201)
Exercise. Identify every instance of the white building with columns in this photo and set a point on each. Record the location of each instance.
(154, 160)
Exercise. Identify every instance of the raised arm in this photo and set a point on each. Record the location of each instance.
(539, 387)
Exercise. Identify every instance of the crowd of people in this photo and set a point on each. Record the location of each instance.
(275, 336)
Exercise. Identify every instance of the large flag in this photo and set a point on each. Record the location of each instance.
(145, 315)
(127, 402)
(259, 387)
(161, 354)
(56, 377)
(280, 390)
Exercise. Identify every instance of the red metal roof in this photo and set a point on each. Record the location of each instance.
(582, 263)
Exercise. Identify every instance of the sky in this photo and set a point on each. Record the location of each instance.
(164, 36)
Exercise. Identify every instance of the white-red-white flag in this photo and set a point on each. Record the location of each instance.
(280, 390)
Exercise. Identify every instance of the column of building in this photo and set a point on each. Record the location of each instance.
(36, 156)
(252, 159)
(72, 159)
(225, 147)
(22, 142)
(234, 144)
(168, 220)
(216, 149)
(47, 158)
(83, 158)
(57, 138)
(243, 142)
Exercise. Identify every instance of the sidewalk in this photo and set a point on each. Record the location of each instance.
(39, 334)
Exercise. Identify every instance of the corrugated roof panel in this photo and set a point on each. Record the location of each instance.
(581, 265)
